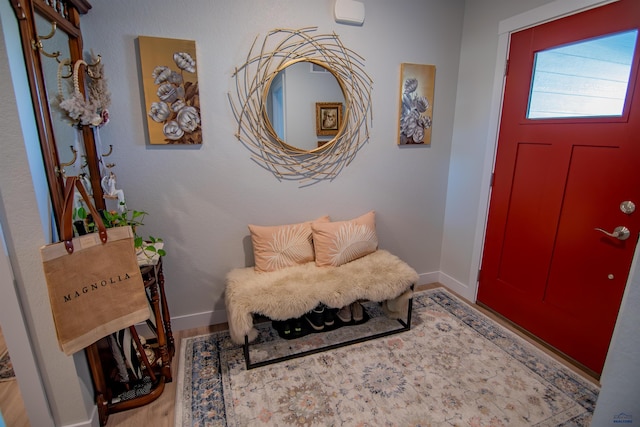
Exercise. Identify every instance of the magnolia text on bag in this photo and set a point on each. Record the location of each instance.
(95, 286)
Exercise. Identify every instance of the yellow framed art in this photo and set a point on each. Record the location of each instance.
(171, 95)
(417, 84)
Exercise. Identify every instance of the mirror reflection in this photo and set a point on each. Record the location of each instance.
(64, 135)
(291, 104)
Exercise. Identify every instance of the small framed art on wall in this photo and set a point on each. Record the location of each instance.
(328, 118)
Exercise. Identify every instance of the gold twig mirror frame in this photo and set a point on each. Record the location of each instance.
(280, 49)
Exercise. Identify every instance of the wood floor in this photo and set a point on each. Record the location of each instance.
(160, 413)
(11, 403)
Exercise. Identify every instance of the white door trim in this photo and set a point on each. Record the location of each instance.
(548, 12)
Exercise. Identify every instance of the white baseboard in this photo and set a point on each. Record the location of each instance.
(455, 285)
(427, 278)
(458, 287)
(197, 320)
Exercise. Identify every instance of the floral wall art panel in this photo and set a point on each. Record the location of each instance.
(417, 84)
(170, 82)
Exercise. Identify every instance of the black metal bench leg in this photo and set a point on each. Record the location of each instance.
(245, 348)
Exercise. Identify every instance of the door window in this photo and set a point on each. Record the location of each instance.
(584, 79)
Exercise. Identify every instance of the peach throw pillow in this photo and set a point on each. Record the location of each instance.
(339, 242)
(281, 246)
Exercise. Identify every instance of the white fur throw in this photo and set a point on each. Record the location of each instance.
(293, 291)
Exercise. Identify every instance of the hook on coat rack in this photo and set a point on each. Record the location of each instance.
(37, 43)
(108, 153)
(60, 169)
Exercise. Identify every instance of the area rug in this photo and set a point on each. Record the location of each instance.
(6, 368)
(455, 367)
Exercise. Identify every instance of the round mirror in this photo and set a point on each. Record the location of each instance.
(334, 121)
(305, 105)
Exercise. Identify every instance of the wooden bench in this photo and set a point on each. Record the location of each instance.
(293, 291)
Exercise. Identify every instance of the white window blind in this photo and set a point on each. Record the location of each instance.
(584, 79)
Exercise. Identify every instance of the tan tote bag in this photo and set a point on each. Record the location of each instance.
(95, 286)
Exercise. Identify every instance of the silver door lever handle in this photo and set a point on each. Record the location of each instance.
(621, 232)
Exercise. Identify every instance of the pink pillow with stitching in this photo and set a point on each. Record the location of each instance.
(339, 242)
(280, 246)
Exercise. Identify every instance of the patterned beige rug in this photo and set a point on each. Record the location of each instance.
(455, 367)
(6, 368)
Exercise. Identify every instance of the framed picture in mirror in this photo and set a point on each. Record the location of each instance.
(328, 118)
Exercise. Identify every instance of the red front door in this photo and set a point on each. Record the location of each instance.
(545, 266)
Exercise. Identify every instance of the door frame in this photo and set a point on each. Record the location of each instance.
(548, 12)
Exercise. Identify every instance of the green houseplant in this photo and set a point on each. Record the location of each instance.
(148, 246)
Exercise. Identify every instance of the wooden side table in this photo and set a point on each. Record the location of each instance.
(113, 395)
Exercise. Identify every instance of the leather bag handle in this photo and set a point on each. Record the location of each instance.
(67, 213)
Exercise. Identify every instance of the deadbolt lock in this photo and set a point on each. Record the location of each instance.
(628, 207)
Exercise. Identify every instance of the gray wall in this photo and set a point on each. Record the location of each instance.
(201, 199)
